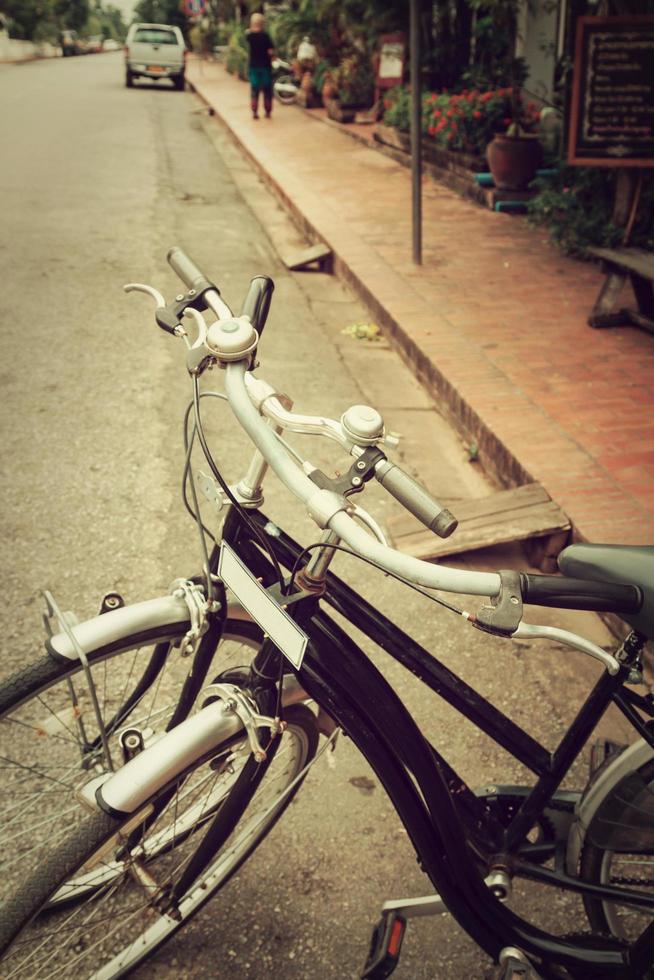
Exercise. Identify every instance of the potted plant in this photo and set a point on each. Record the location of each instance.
(354, 83)
(514, 156)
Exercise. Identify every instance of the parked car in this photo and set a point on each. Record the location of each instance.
(110, 45)
(70, 43)
(155, 51)
(94, 44)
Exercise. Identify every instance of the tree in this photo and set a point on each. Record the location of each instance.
(161, 12)
(25, 16)
(71, 14)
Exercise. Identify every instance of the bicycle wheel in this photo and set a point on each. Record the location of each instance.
(128, 912)
(619, 849)
(285, 89)
(49, 737)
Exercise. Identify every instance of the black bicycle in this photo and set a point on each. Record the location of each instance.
(185, 769)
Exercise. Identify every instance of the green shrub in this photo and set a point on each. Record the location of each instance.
(397, 108)
(237, 57)
(576, 205)
(356, 82)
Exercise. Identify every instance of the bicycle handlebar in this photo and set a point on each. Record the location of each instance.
(329, 509)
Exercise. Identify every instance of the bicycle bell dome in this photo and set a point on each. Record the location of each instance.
(362, 424)
(232, 340)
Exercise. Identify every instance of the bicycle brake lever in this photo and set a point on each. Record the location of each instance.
(139, 287)
(200, 324)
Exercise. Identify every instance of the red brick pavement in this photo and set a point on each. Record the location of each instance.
(493, 322)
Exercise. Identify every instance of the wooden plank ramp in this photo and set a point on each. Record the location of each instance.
(299, 260)
(526, 514)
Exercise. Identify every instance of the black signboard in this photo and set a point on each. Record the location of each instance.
(612, 111)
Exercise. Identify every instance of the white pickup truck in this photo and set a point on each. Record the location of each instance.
(155, 51)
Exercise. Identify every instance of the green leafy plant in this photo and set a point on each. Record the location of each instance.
(237, 58)
(397, 108)
(355, 81)
(575, 205)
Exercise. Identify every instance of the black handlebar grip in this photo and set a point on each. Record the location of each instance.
(576, 593)
(187, 270)
(257, 302)
(416, 499)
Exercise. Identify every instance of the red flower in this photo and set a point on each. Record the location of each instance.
(432, 130)
(476, 114)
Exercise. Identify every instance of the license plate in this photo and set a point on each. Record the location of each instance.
(155, 68)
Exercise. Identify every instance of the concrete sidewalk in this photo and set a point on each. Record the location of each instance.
(493, 323)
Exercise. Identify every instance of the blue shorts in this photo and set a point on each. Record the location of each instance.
(260, 78)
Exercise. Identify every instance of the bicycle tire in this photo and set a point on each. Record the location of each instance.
(605, 855)
(25, 934)
(46, 757)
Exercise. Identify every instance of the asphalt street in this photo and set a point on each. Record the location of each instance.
(96, 183)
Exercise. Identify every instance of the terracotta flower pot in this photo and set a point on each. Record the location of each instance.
(329, 90)
(513, 160)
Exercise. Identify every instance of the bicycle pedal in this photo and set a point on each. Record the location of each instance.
(385, 946)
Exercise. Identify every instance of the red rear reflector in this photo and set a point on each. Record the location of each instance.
(395, 940)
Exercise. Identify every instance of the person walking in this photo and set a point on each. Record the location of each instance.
(260, 67)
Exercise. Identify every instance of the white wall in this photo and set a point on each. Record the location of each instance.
(13, 50)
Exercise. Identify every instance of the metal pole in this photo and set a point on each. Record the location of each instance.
(416, 133)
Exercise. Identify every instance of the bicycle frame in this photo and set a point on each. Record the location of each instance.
(342, 679)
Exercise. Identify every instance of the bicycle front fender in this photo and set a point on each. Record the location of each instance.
(125, 791)
(166, 616)
(157, 766)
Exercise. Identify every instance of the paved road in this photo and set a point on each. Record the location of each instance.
(95, 183)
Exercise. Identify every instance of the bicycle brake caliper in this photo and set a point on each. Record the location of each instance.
(236, 700)
(198, 608)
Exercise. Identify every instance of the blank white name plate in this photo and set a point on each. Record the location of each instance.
(273, 620)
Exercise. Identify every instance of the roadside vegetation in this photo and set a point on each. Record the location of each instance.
(44, 20)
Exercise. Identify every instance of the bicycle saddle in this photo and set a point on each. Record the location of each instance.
(626, 564)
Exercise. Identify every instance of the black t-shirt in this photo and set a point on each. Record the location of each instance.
(260, 45)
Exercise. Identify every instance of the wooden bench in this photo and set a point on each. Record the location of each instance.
(618, 264)
(525, 514)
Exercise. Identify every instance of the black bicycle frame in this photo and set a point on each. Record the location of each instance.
(341, 678)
